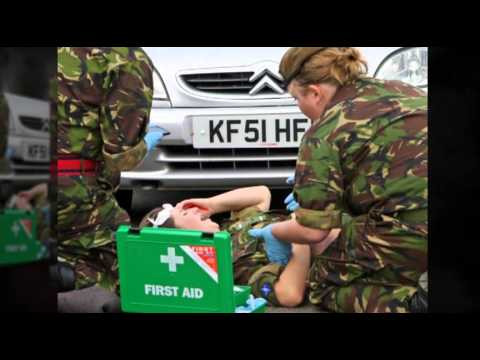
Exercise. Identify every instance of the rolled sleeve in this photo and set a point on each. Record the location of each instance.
(317, 219)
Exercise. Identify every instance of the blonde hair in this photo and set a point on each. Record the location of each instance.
(334, 65)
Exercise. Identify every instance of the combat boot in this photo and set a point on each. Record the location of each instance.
(419, 301)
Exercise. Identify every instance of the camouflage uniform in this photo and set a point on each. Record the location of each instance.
(103, 107)
(250, 262)
(363, 168)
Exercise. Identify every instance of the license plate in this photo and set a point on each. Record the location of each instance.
(249, 131)
(36, 152)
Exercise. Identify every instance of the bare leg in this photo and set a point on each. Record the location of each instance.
(319, 248)
(290, 287)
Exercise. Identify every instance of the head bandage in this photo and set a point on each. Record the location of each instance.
(162, 215)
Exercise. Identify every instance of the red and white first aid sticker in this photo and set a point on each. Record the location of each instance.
(27, 227)
(207, 254)
(205, 257)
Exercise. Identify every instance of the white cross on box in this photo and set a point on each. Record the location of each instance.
(171, 259)
(15, 228)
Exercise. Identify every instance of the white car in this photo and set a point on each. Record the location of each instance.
(230, 122)
(28, 138)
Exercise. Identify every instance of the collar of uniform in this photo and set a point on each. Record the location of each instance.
(347, 92)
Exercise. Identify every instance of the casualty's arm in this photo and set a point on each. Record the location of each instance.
(234, 200)
(291, 231)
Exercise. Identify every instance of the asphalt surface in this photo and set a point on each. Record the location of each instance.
(98, 300)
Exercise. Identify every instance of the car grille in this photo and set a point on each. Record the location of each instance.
(34, 123)
(26, 167)
(187, 157)
(236, 83)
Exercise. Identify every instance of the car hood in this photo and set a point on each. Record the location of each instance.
(171, 61)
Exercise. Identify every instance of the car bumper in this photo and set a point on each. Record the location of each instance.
(23, 170)
(159, 169)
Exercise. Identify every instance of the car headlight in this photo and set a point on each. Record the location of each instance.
(409, 65)
(159, 90)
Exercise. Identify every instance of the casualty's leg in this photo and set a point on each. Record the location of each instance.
(283, 285)
(290, 287)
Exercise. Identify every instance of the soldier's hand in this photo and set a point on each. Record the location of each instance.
(277, 251)
(290, 203)
(154, 136)
(291, 180)
(9, 153)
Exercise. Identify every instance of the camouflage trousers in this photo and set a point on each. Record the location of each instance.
(95, 266)
(374, 266)
(92, 251)
(250, 262)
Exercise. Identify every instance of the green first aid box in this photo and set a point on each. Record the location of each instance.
(164, 270)
(18, 238)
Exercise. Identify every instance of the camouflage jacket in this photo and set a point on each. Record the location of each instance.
(103, 107)
(248, 252)
(366, 155)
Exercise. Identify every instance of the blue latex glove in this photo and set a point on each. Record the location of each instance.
(251, 305)
(153, 136)
(277, 251)
(9, 153)
(46, 213)
(291, 180)
(292, 205)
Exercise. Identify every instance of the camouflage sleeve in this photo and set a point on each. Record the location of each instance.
(244, 214)
(263, 281)
(319, 184)
(127, 109)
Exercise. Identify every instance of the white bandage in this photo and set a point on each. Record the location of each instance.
(162, 216)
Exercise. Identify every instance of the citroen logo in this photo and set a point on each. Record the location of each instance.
(267, 80)
(45, 125)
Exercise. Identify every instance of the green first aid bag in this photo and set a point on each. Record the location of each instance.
(18, 238)
(164, 270)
